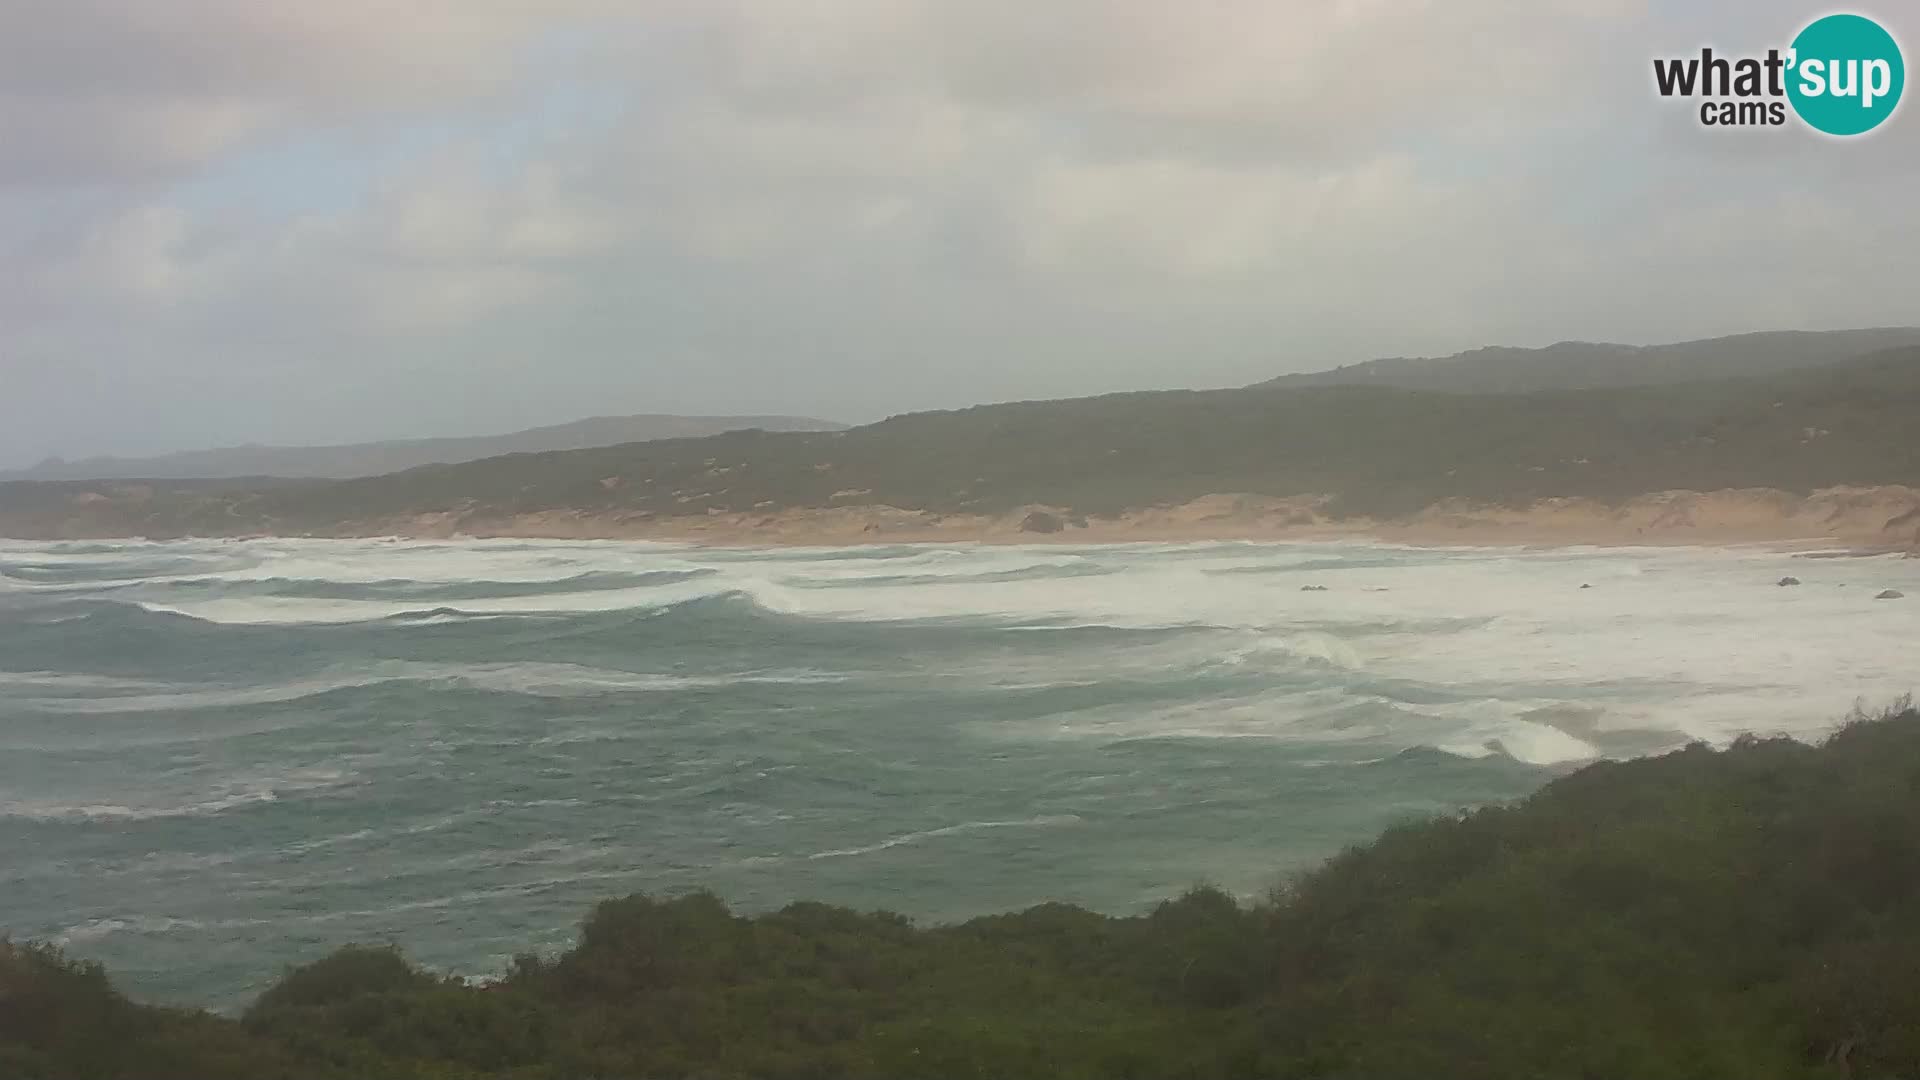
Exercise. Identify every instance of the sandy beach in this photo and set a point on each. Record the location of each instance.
(1862, 519)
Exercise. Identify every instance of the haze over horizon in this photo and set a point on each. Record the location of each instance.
(228, 224)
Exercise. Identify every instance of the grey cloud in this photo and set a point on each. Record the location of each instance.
(856, 207)
(107, 91)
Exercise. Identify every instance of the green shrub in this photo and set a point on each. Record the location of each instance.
(1752, 912)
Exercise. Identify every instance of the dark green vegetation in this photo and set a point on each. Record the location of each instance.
(1752, 913)
(1583, 365)
(1378, 451)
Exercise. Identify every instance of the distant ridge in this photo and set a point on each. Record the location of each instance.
(376, 458)
(1350, 452)
(1584, 365)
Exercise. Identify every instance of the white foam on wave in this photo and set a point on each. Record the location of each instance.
(1680, 639)
(159, 575)
(71, 812)
(940, 566)
(1497, 727)
(520, 677)
(447, 618)
(1310, 646)
(1150, 586)
(75, 681)
(1538, 744)
(569, 599)
(1040, 822)
(288, 610)
(95, 929)
(1290, 715)
(355, 561)
(1326, 717)
(204, 802)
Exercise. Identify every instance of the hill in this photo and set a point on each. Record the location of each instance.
(372, 459)
(1752, 912)
(1369, 451)
(1581, 365)
(1567, 365)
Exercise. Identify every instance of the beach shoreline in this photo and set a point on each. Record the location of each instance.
(1839, 521)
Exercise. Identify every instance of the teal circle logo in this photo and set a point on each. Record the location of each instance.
(1846, 74)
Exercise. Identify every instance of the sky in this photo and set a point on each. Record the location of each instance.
(226, 221)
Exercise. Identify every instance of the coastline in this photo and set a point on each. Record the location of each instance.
(1866, 520)
(1841, 520)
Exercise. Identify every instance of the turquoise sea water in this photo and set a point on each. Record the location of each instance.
(218, 758)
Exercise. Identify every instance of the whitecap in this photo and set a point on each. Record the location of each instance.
(95, 929)
(520, 677)
(83, 812)
(212, 801)
(1043, 821)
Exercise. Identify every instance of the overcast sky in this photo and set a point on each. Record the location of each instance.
(225, 221)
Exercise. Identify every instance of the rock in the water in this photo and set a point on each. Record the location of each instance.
(1584, 585)
(1889, 594)
(1313, 588)
(1788, 581)
(1041, 522)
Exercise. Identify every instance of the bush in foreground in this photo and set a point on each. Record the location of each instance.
(1752, 912)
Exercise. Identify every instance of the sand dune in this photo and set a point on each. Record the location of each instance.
(1868, 518)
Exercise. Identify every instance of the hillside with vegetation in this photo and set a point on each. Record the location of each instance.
(375, 458)
(1585, 365)
(1752, 912)
(1375, 451)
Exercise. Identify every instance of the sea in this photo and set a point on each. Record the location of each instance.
(222, 758)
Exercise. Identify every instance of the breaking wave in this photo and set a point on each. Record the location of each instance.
(282, 745)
